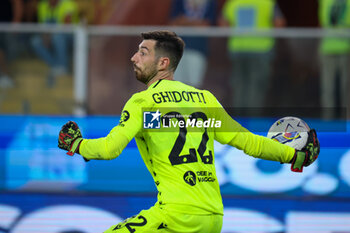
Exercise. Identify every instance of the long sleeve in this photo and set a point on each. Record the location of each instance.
(232, 133)
(105, 148)
(262, 147)
(113, 144)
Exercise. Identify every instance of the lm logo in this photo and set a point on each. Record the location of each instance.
(151, 120)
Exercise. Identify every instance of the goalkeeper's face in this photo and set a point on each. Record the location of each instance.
(145, 61)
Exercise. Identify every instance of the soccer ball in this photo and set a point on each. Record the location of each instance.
(291, 131)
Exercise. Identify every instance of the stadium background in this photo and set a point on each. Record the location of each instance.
(42, 190)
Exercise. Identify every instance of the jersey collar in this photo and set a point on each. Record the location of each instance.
(153, 85)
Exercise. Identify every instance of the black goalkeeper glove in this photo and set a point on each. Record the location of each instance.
(307, 155)
(70, 138)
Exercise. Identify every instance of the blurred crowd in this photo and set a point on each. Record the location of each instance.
(251, 58)
(53, 49)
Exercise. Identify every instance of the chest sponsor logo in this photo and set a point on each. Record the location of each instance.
(190, 178)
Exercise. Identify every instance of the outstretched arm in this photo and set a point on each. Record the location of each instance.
(108, 147)
(232, 133)
(262, 147)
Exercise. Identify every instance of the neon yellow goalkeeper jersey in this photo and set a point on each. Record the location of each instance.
(175, 126)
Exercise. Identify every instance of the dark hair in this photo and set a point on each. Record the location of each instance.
(167, 44)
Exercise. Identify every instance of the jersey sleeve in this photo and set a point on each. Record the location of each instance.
(262, 147)
(232, 133)
(112, 145)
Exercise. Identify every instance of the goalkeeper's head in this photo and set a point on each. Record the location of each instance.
(158, 55)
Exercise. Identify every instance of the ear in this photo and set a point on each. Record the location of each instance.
(163, 63)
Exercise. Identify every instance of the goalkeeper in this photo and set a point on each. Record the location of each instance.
(181, 162)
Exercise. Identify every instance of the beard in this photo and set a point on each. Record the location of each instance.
(145, 75)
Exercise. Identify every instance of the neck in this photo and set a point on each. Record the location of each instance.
(161, 75)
